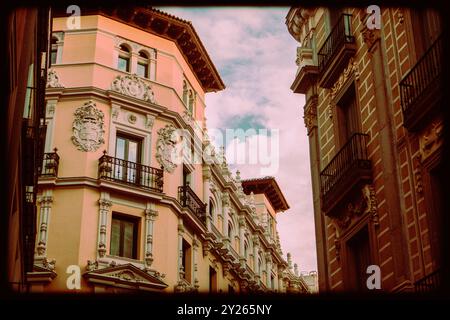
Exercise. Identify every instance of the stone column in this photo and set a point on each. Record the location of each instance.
(133, 62)
(180, 249)
(241, 240)
(195, 245)
(226, 209)
(105, 207)
(255, 240)
(45, 210)
(280, 280)
(150, 217)
(206, 194)
(269, 270)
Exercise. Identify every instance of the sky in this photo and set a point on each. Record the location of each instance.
(255, 57)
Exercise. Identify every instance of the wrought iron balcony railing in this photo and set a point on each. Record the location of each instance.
(421, 82)
(131, 173)
(335, 47)
(189, 199)
(429, 283)
(50, 164)
(346, 168)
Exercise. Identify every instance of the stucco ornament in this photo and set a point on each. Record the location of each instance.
(52, 79)
(87, 128)
(166, 148)
(133, 86)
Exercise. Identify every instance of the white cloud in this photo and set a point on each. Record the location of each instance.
(255, 56)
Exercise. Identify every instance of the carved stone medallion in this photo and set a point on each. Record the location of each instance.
(87, 127)
(166, 148)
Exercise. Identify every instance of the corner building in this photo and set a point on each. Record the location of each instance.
(112, 199)
(373, 101)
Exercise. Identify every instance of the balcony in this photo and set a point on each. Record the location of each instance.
(421, 88)
(189, 199)
(336, 51)
(130, 173)
(307, 70)
(50, 165)
(348, 168)
(429, 283)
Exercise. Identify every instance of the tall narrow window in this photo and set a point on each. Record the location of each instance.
(142, 65)
(128, 151)
(124, 236)
(124, 58)
(359, 259)
(191, 102)
(185, 93)
(54, 51)
(29, 94)
(212, 280)
(186, 261)
(348, 117)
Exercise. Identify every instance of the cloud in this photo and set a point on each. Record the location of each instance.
(255, 56)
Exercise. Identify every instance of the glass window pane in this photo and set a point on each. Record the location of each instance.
(120, 148)
(141, 70)
(123, 64)
(128, 241)
(132, 151)
(53, 57)
(115, 238)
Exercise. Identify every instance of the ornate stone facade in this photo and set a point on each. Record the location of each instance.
(133, 86)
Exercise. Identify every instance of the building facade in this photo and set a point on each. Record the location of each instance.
(26, 39)
(373, 101)
(131, 193)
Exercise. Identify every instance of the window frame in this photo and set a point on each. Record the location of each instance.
(136, 226)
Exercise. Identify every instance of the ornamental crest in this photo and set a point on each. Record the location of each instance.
(133, 86)
(166, 148)
(87, 128)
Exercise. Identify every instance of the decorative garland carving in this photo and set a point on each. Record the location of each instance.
(87, 127)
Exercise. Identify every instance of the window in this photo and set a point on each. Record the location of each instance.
(142, 65)
(359, 258)
(54, 51)
(124, 232)
(212, 280)
(230, 230)
(29, 94)
(128, 149)
(185, 93)
(211, 208)
(186, 261)
(191, 102)
(187, 176)
(124, 58)
(348, 117)
(245, 249)
(426, 27)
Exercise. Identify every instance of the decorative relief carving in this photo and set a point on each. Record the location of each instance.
(165, 147)
(187, 117)
(431, 139)
(92, 265)
(310, 113)
(115, 112)
(53, 79)
(349, 71)
(150, 120)
(133, 86)
(49, 264)
(365, 204)
(87, 128)
(132, 118)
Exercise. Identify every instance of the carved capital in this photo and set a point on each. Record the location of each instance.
(310, 113)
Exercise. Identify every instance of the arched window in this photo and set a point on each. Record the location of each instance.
(54, 51)
(230, 231)
(124, 58)
(211, 208)
(185, 93)
(143, 65)
(245, 249)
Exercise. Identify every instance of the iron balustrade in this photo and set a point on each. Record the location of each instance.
(189, 199)
(131, 173)
(339, 36)
(430, 282)
(422, 77)
(351, 156)
(50, 164)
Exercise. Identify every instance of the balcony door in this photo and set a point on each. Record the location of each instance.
(348, 117)
(426, 25)
(128, 151)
